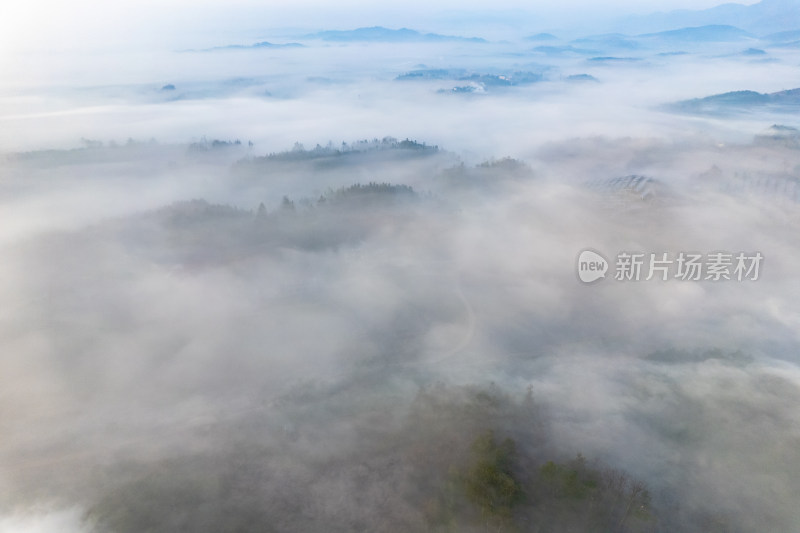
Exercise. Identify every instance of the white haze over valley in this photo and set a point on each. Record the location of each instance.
(314, 269)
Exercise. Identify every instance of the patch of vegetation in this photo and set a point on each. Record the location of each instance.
(215, 144)
(489, 173)
(300, 153)
(370, 193)
(461, 459)
(569, 480)
(490, 483)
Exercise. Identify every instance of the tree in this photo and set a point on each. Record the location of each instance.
(490, 483)
(287, 205)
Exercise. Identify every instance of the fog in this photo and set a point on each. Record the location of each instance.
(331, 283)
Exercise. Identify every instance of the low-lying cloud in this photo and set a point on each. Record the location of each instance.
(204, 328)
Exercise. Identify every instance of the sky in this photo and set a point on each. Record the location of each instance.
(88, 24)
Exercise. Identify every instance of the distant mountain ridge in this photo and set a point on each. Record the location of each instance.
(381, 34)
(689, 36)
(783, 36)
(709, 33)
(263, 44)
(714, 33)
(738, 101)
(765, 17)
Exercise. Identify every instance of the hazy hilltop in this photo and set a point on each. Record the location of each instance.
(381, 34)
(762, 18)
(742, 102)
(709, 33)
